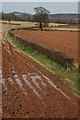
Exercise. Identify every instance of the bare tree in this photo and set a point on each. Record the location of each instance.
(41, 16)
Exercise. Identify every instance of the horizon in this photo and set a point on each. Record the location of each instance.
(33, 14)
(28, 7)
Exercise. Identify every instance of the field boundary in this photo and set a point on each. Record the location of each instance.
(56, 56)
(20, 51)
(64, 77)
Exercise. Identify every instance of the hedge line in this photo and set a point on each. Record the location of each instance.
(54, 55)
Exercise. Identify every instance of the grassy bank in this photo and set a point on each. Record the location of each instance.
(69, 77)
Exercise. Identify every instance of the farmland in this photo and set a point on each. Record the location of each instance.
(67, 26)
(39, 61)
(66, 42)
(29, 90)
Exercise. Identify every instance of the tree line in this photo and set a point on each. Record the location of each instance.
(41, 16)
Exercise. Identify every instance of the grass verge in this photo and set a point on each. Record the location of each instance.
(69, 77)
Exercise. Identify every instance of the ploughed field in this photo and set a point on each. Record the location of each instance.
(29, 91)
(65, 42)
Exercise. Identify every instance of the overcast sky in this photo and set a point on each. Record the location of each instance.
(39, 0)
(53, 7)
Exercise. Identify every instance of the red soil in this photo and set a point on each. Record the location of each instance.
(30, 92)
(66, 42)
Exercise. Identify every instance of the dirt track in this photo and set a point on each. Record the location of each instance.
(30, 92)
(66, 42)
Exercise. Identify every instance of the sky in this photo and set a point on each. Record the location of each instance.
(39, 0)
(28, 7)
